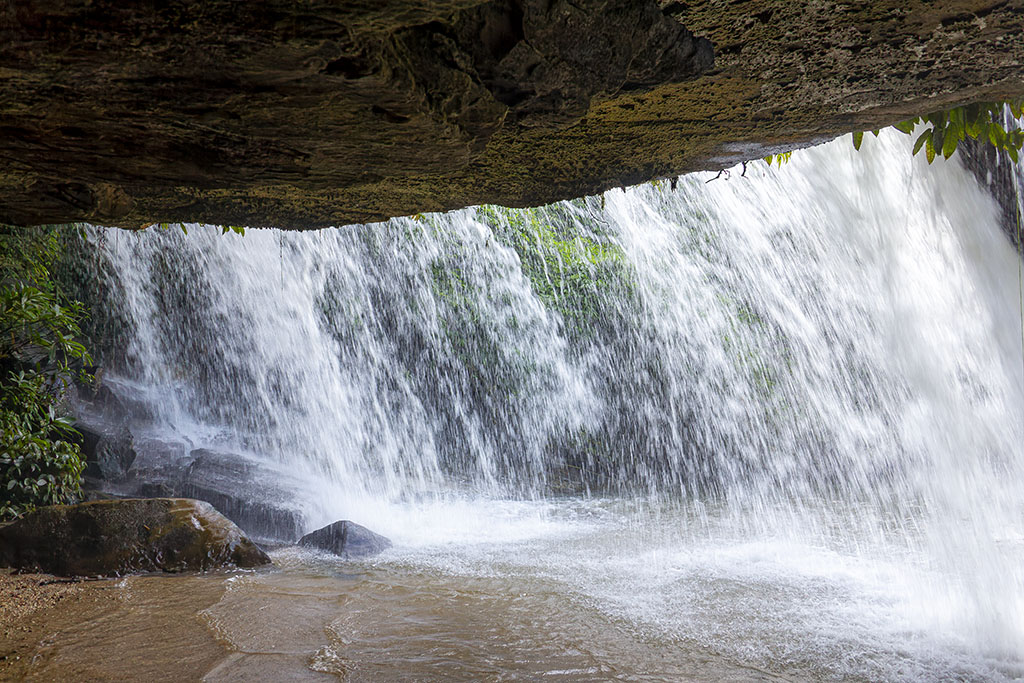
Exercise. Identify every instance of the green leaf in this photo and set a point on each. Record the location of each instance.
(1000, 135)
(858, 138)
(906, 127)
(956, 118)
(929, 151)
(921, 139)
(938, 139)
(949, 146)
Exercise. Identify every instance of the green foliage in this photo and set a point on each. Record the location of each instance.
(947, 129)
(39, 353)
(224, 229)
(780, 158)
(40, 464)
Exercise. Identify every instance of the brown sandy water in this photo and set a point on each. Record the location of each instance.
(137, 628)
(307, 621)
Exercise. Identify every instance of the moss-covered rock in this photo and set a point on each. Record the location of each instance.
(115, 537)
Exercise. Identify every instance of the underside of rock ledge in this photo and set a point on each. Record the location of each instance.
(327, 113)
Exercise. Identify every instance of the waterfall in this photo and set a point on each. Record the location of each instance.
(827, 354)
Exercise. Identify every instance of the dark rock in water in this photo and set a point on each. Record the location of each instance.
(114, 537)
(346, 539)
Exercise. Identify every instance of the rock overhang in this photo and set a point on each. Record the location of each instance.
(327, 113)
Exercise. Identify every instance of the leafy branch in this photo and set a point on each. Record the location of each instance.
(40, 355)
(946, 129)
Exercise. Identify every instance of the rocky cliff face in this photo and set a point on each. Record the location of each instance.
(318, 113)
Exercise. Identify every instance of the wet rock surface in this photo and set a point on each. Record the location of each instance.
(109, 450)
(997, 173)
(129, 455)
(259, 499)
(242, 490)
(330, 113)
(346, 539)
(116, 537)
(103, 421)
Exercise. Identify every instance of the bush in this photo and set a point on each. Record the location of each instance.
(39, 462)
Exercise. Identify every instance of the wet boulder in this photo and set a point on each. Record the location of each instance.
(346, 539)
(104, 425)
(256, 497)
(130, 455)
(115, 537)
(109, 450)
(114, 399)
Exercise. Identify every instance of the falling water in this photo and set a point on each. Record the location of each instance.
(776, 417)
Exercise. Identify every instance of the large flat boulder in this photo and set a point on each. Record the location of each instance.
(115, 537)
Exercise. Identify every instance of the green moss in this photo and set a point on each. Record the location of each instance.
(567, 255)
